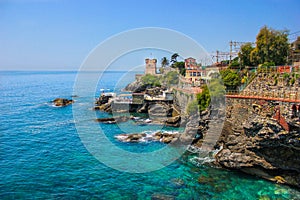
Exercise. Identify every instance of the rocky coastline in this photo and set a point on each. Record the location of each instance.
(250, 139)
(257, 144)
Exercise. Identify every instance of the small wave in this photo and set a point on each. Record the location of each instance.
(104, 89)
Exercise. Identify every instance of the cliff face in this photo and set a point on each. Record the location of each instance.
(182, 99)
(256, 143)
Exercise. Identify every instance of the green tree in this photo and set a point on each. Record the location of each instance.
(235, 63)
(216, 89)
(271, 46)
(254, 57)
(245, 53)
(180, 66)
(231, 79)
(151, 80)
(171, 78)
(174, 58)
(203, 98)
(164, 62)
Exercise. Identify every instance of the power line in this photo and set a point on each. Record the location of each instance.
(294, 33)
(235, 48)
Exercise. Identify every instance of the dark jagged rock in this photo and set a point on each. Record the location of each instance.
(60, 102)
(104, 107)
(103, 99)
(259, 145)
(135, 137)
(104, 102)
(113, 120)
(173, 121)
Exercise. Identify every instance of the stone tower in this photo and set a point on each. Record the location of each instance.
(151, 66)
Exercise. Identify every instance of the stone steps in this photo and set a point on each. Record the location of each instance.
(212, 135)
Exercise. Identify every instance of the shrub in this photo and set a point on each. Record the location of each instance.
(192, 107)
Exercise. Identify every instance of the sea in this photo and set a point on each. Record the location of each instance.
(44, 153)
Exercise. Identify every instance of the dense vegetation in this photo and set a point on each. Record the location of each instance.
(203, 98)
(231, 79)
(272, 48)
(180, 67)
(212, 92)
(171, 78)
(151, 80)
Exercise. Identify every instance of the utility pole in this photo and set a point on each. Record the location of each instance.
(230, 53)
(236, 47)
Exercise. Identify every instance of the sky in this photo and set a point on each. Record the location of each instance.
(60, 34)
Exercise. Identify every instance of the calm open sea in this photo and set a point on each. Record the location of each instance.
(42, 156)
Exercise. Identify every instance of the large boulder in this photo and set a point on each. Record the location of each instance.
(60, 102)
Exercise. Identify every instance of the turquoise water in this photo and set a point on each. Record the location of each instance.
(42, 156)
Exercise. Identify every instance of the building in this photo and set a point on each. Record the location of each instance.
(150, 66)
(294, 55)
(190, 63)
(193, 71)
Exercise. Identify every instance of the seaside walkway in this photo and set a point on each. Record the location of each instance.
(291, 97)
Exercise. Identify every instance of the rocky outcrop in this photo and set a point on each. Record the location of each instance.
(164, 137)
(113, 120)
(163, 113)
(60, 102)
(259, 145)
(135, 86)
(173, 121)
(191, 130)
(106, 107)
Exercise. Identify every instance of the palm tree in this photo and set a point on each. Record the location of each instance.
(174, 58)
(164, 62)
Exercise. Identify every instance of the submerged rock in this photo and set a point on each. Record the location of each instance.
(162, 197)
(60, 102)
(206, 180)
(177, 182)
